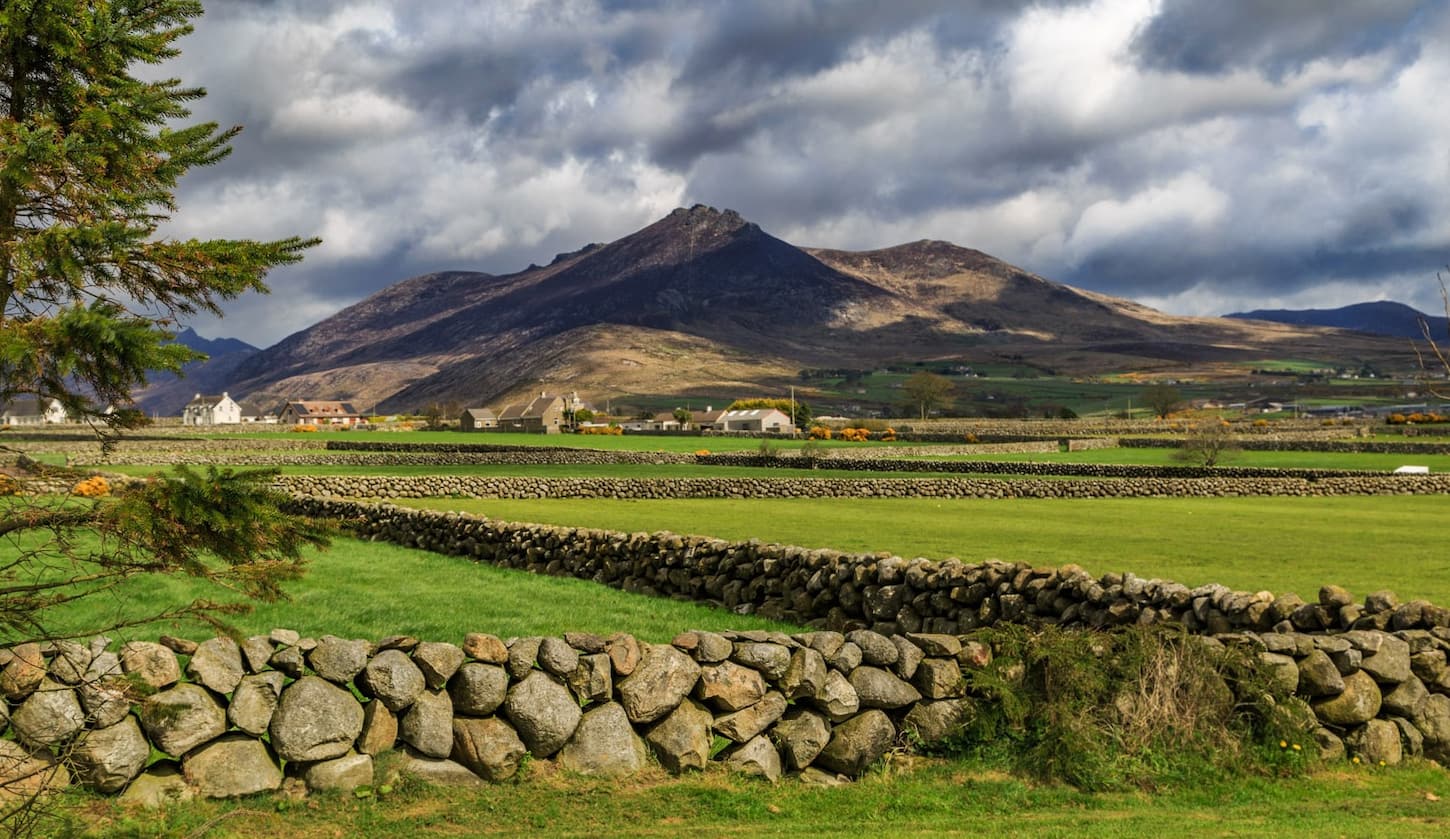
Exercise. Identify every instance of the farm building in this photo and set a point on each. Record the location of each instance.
(32, 411)
(319, 413)
(544, 415)
(477, 419)
(211, 410)
(757, 419)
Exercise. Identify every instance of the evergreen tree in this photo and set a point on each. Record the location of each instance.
(90, 156)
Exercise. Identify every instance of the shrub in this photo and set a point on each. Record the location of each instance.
(302, 429)
(888, 436)
(820, 432)
(1138, 707)
(611, 429)
(855, 435)
(8, 485)
(702, 452)
(92, 487)
(1261, 423)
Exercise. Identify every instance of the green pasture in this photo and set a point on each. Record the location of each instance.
(375, 589)
(1279, 544)
(1269, 460)
(920, 797)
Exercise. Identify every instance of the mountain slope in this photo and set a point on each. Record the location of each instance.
(703, 301)
(166, 394)
(1384, 317)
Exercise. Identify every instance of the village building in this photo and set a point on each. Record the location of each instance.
(544, 415)
(252, 412)
(665, 421)
(211, 410)
(319, 413)
(765, 420)
(477, 419)
(29, 410)
(708, 419)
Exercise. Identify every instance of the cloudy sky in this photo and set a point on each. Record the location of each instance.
(1201, 156)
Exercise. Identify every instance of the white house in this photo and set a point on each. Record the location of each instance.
(757, 419)
(211, 410)
(32, 411)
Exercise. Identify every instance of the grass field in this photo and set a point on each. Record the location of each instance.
(374, 589)
(365, 589)
(1279, 544)
(1275, 460)
(931, 798)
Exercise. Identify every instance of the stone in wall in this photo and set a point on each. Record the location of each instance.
(315, 720)
(543, 711)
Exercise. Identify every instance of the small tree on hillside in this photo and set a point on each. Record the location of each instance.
(1162, 399)
(926, 391)
(1208, 443)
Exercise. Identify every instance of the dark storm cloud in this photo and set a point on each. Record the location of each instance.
(1199, 155)
(1279, 36)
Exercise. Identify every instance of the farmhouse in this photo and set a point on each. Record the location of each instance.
(757, 419)
(477, 419)
(708, 419)
(319, 413)
(32, 411)
(211, 410)
(544, 415)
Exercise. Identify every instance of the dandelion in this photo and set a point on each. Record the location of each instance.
(1297, 748)
(1355, 760)
(1283, 744)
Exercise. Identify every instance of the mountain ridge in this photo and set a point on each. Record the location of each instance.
(1377, 317)
(704, 297)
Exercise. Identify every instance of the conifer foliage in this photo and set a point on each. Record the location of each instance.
(90, 157)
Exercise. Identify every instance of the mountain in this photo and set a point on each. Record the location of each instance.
(1384, 317)
(166, 394)
(213, 347)
(705, 302)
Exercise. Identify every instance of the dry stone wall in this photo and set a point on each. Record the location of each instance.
(485, 486)
(837, 590)
(1291, 445)
(236, 719)
(1027, 468)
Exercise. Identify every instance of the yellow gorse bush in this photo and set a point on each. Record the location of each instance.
(92, 487)
(610, 429)
(302, 429)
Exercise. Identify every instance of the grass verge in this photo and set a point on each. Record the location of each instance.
(901, 797)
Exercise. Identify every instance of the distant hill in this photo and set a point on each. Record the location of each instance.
(212, 346)
(166, 394)
(1384, 317)
(705, 302)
